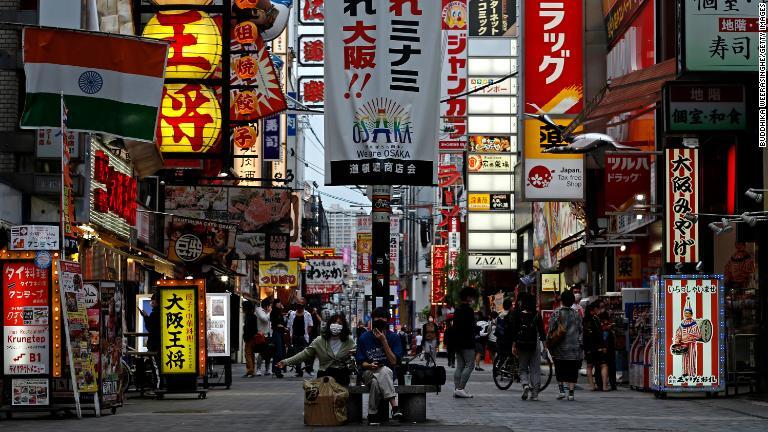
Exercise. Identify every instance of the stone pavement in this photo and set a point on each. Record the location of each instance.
(268, 404)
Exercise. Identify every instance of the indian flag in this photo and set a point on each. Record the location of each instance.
(111, 84)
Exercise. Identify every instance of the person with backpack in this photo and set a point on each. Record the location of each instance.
(503, 342)
(564, 342)
(527, 334)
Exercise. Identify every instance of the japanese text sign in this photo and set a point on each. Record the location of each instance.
(311, 12)
(625, 177)
(364, 251)
(26, 312)
(278, 273)
(554, 72)
(720, 35)
(682, 197)
(439, 260)
(271, 139)
(324, 275)
(77, 298)
(453, 112)
(691, 348)
(490, 163)
(382, 58)
(693, 108)
(178, 325)
(550, 177)
(34, 237)
(492, 18)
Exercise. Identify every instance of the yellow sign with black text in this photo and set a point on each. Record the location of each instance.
(178, 324)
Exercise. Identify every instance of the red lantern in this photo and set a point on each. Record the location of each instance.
(246, 32)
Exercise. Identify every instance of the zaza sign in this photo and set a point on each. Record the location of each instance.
(492, 262)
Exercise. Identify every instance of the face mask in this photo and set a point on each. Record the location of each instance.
(380, 325)
(431, 319)
(336, 329)
(578, 297)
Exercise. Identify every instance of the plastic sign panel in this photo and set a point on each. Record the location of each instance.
(492, 18)
(691, 335)
(554, 68)
(324, 275)
(178, 329)
(490, 144)
(453, 113)
(550, 177)
(380, 69)
(694, 108)
(490, 202)
(26, 314)
(682, 174)
(192, 240)
(34, 237)
(278, 273)
(217, 324)
(626, 176)
(720, 35)
(492, 262)
(439, 282)
(483, 163)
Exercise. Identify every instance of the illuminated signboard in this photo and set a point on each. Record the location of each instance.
(113, 191)
(178, 330)
(190, 119)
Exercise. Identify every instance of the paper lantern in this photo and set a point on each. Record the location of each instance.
(195, 49)
(245, 137)
(246, 102)
(245, 32)
(246, 67)
(190, 119)
(182, 2)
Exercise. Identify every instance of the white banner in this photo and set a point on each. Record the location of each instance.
(324, 275)
(382, 92)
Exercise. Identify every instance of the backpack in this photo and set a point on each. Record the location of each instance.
(501, 324)
(527, 333)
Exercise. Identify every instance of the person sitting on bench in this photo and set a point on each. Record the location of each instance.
(378, 351)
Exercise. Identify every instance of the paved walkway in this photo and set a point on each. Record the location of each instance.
(268, 404)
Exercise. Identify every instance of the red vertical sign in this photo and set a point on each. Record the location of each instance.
(439, 258)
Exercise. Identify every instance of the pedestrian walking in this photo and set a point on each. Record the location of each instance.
(333, 349)
(481, 340)
(152, 322)
(264, 326)
(378, 352)
(609, 339)
(277, 321)
(527, 333)
(564, 343)
(449, 339)
(429, 330)
(464, 323)
(300, 328)
(250, 329)
(503, 339)
(596, 352)
(492, 338)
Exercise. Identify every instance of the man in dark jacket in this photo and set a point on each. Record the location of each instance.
(250, 328)
(464, 341)
(152, 323)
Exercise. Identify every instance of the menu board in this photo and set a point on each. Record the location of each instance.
(26, 312)
(81, 315)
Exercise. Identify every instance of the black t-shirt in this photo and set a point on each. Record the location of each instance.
(464, 324)
(276, 319)
(298, 326)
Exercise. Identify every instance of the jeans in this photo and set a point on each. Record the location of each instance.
(430, 349)
(465, 364)
(451, 357)
(381, 385)
(530, 366)
(277, 339)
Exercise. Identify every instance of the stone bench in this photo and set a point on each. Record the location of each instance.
(411, 399)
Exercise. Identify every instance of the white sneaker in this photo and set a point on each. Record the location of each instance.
(526, 389)
(258, 373)
(461, 393)
(561, 396)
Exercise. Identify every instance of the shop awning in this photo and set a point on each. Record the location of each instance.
(635, 91)
(145, 157)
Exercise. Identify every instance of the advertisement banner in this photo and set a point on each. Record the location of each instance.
(490, 144)
(554, 69)
(217, 324)
(81, 316)
(626, 177)
(278, 273)
(720, 39)
(364, 251)
(681, 191)
(324, 275)
(492, 262)
(111, 338)
(554, 223)
(271, 139)
(199, 241)
(453, 113)
(483, 163)
(34, 237)
(178, 330)
(692, 333)
(695, 108)
(380, 69)
(439, 282)
(550, 177)
(394, 248)
(30, 392)
(493, 18)
(489, 202)
(26, 314)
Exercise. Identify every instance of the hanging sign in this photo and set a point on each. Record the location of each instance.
(26, 314)
(550, 177)
(278, 273)
(439, 282)
(271, 139)
(706, 107)
(691, 336)
(626, 176)
(34, 237)
(324, 275)
(453, 113)
(681, 191)
(380, 69)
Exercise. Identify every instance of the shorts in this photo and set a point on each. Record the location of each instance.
(567, 370)
(480, 347)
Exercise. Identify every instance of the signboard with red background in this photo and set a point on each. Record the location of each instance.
(439, 261)
(26, 314)
(626, 177)
(682, 197)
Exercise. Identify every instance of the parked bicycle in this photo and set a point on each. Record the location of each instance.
(506, 371)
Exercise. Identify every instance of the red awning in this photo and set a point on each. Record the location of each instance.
(634, 91)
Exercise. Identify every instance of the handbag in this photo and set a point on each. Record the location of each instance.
(555, 337)
(422, 375)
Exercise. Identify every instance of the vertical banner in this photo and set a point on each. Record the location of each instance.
(493, 18)
(453, 113)
(271, 139)
(394, 248)
(78, 300)
(554, 70)
(178, 330)
(682, 198)
(439, 258)
(26, 314)
(692, 333)
(381, 63)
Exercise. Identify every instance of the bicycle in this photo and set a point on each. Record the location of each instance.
(506, 371)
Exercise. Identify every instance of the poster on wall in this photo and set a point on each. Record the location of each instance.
(278, 273)
(111, 338)
(81, 316)
(682, 173)
(26, 319)
(217, 328)
(30, 392)
(324, 275)
(692, 333)
(178, 330)
(380, 69)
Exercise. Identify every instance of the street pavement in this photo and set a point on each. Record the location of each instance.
(268, 404)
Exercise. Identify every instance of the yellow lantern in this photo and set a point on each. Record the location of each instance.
(245, 137)
(195, 39)
(182, 2)
(190, 119)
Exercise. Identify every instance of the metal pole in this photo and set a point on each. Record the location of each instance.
(380, 216)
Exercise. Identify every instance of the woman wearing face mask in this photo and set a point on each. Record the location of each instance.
(333, 349)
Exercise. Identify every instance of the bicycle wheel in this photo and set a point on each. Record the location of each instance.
(503, 373)
(547, 370)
